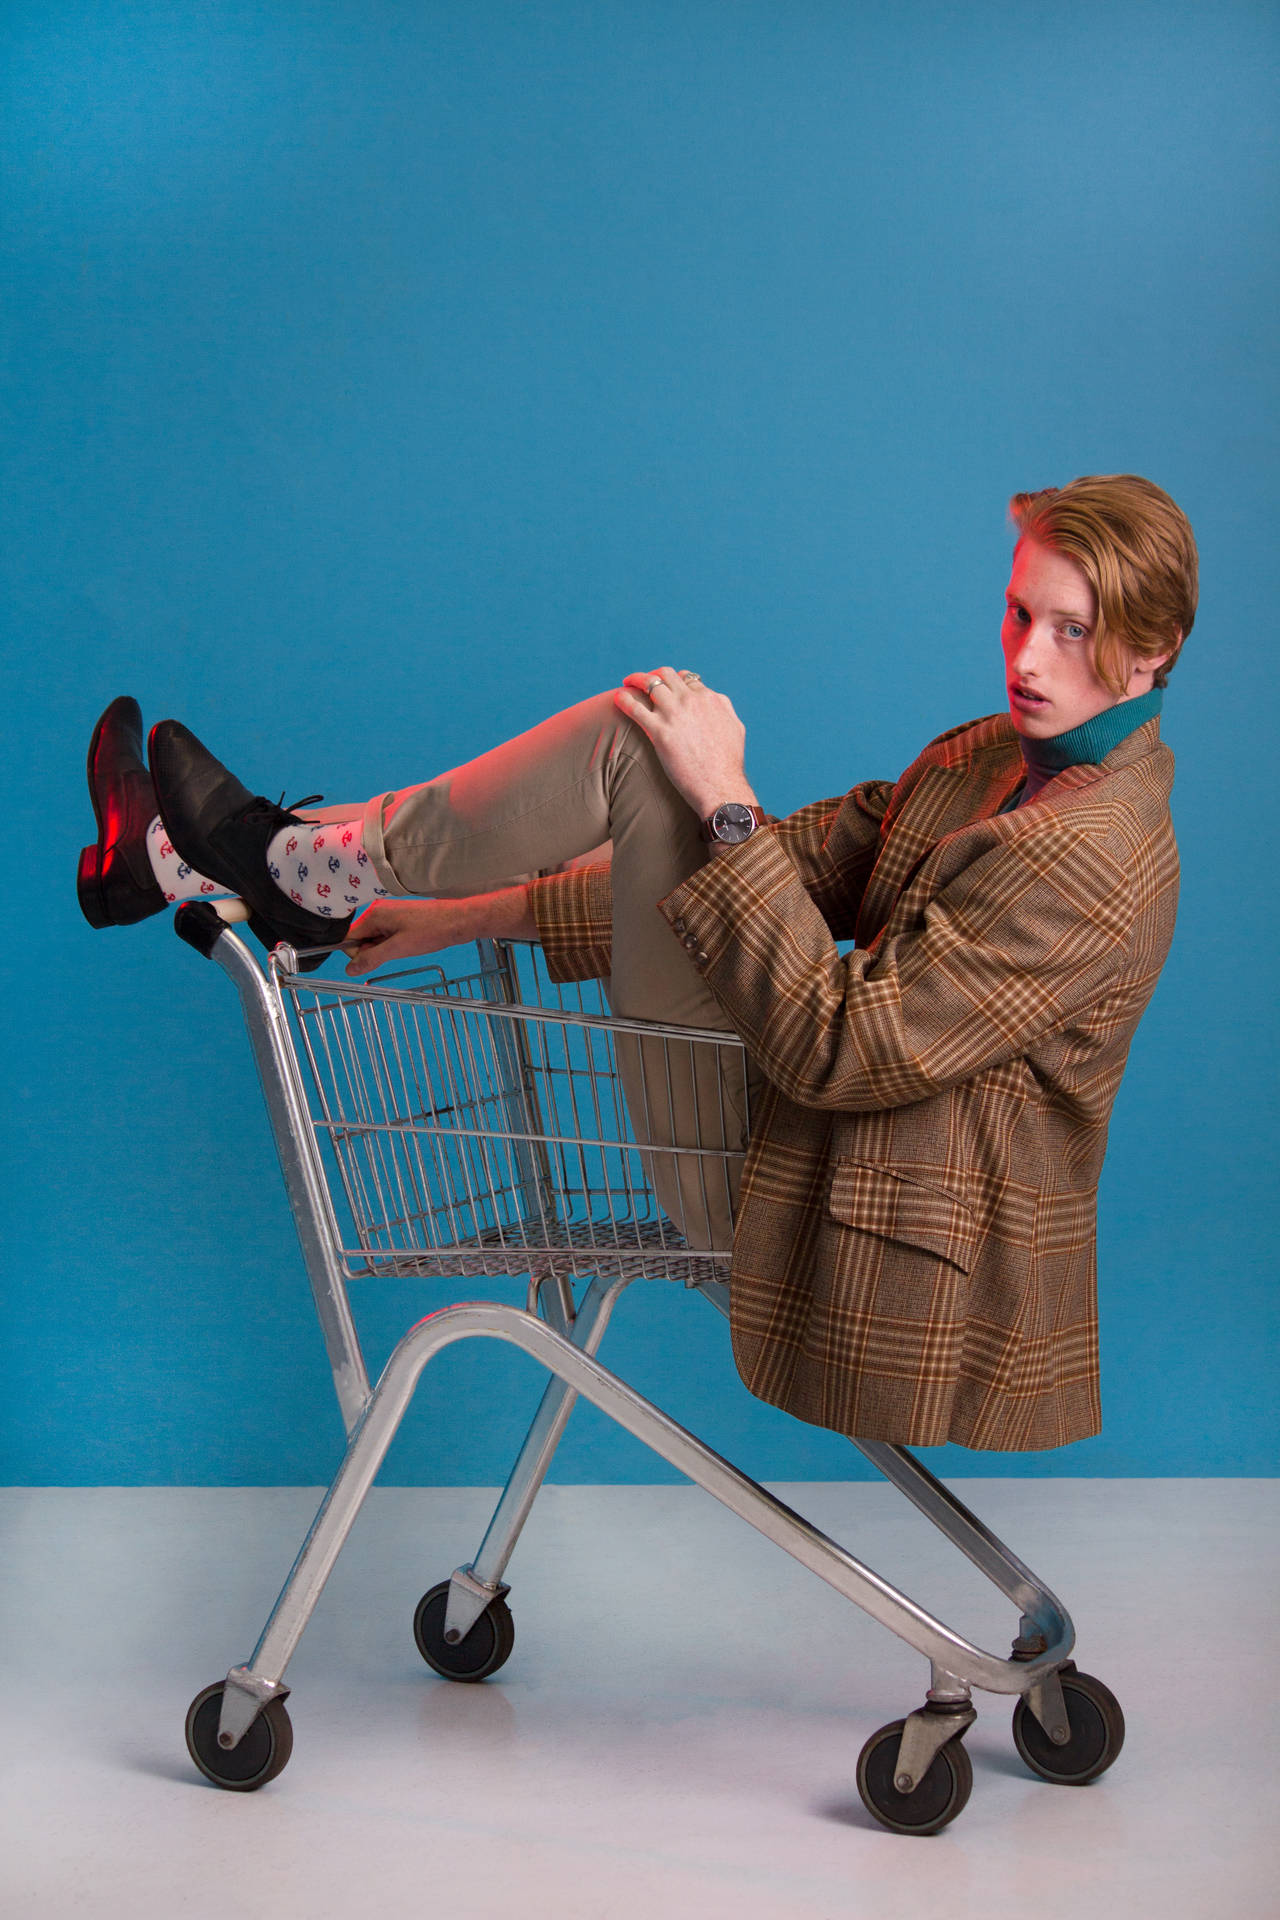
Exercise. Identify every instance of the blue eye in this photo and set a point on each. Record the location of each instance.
(1075, 632)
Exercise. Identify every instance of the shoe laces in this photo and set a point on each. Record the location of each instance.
(261, 808)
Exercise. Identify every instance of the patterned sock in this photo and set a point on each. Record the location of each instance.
(324, 868)
(175, 879)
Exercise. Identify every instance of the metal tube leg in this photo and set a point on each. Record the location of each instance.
(964, 1529)
(248, 1686)
(326, 1537)
(1045, 1620)
(473, 1586)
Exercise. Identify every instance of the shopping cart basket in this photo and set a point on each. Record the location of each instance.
(475, 1126)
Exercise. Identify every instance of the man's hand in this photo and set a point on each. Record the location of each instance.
(695, 733)
(400, 929)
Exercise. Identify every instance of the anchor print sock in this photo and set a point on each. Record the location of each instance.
(324, 868)
(175, 879)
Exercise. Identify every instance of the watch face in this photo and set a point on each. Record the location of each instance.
(733, 823)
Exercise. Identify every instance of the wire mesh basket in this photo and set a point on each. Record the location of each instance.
(495, 1123)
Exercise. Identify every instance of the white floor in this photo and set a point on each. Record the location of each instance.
(675, 1735)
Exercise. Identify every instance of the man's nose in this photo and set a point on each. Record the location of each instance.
(1030, 652)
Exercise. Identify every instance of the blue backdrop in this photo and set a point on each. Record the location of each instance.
(380, 376)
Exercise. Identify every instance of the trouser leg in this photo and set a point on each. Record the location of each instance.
(585, 776)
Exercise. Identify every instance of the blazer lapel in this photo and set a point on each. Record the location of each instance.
(940, 802)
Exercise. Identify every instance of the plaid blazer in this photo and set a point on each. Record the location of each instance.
(915, 1254)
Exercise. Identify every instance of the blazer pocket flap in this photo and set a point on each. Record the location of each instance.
(897, 1208)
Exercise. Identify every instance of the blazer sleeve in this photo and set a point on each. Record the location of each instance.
(832, 846)
(574, 916)
(1028, 932)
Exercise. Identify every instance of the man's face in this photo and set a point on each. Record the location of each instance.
(1048, 636)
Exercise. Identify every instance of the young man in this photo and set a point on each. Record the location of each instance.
(913, 1258)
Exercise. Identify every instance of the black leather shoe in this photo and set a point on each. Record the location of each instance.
(223, 830)
(114, 881)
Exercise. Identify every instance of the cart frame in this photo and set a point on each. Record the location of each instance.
(513, 1232)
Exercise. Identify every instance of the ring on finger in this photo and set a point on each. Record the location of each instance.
(657, 681)
(691, 678)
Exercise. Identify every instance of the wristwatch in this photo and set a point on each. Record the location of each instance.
(732, 823)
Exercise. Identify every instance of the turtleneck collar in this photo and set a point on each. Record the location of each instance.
(1087, 744)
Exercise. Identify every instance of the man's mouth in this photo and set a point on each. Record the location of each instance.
(1025, 697)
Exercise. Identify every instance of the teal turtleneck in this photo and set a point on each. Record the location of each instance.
(1084, 745)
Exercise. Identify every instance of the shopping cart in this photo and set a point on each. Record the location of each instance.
(476, 1126)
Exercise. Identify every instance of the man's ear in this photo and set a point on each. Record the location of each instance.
(1149, 664)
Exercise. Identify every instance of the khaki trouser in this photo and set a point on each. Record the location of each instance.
(586, 776)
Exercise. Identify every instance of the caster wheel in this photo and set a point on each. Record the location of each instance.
(486, 1648)
(261, 1755)
(939, 1797)
(1097, 1733)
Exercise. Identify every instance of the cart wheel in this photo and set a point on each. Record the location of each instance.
(939, 1797)
(261, 1755)
(486, 1648)
(1097, 1733)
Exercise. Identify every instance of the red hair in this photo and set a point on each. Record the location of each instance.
(1136, 549)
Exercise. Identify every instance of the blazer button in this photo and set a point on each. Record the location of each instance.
(691, 942)
(701, 959)
(677, 926)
